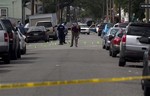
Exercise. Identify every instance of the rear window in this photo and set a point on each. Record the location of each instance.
(35, 29)
(45, 24)
(139, 31)
(7, 24)
(114, 31)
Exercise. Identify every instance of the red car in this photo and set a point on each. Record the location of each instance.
(115, 43)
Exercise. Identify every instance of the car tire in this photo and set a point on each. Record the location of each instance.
(104, 47)
(114, 54)
(24, 51)
(14, 55)
(19, 53)
(55, 37)
(107, 48)
(122, 62)
(6, 59)
(146, 91)
(88, 33)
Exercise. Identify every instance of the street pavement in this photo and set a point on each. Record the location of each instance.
(53, 62)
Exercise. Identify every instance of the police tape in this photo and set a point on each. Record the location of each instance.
(70, 82)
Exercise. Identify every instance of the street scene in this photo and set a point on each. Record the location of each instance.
(74, 47)
(50, 62)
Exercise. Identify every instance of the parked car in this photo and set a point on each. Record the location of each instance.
(121, 25)
(36, 33)
(105, 40)
(106, 29)
(14, 46)
(115, 42)
(22, 41)
(100, 28)
(92, 28)
(4, 43)
(146, 66)
(84, 28)
(50, 27)
(130, 47)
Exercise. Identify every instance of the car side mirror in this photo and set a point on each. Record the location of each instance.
(111, 37)
(144, 40)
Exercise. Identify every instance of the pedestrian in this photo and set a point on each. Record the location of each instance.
(75, 34)
(65, 33)
(61, 29)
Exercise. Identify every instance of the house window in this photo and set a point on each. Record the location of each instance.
(3, 12)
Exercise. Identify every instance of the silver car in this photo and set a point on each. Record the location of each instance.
(106, 42)
(84, 29)
(22, 42)
(130, 47)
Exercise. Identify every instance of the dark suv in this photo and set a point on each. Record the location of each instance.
(14, 47)
(146, 66)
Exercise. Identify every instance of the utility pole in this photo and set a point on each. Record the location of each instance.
(119, 11)
(32, 7)
(147, 12)
(107, 17)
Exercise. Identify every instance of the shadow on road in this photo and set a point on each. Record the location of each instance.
(4, 71)
(25, 60)
(134, 66)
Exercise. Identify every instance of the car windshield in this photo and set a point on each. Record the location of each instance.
(139, 31)
(83, 26)
(45, 24)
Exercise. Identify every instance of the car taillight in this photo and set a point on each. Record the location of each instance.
(116, 41)
(124, 39)
(6, 37)
(11, 36)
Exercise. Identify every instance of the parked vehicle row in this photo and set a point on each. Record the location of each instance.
(132, 44)
(10, 42)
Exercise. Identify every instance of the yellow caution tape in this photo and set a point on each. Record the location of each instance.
(69, 82)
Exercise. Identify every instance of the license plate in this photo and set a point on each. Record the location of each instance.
(35, 34)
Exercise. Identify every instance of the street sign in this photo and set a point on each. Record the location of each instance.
(145, 5)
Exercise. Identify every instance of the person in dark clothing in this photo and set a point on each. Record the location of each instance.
(75, 34)
(61, 34)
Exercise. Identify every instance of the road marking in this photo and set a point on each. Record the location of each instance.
(70, 82)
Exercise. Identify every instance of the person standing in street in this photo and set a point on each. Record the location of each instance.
(61, 29)
(75, 34)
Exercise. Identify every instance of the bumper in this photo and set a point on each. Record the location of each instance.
(116, 48)
(4, 50)
(34, 38)
(134, 54)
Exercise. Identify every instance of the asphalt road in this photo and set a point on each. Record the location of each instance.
(53, 62)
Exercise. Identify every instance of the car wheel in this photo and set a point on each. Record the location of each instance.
(104, 47)
(19, 53)
(107, 48)
(24, 50)
(114, 54)
(55, 37)
(146, 91)
(6, 59)
(14, 55)
(88, 33)
(122, 62)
